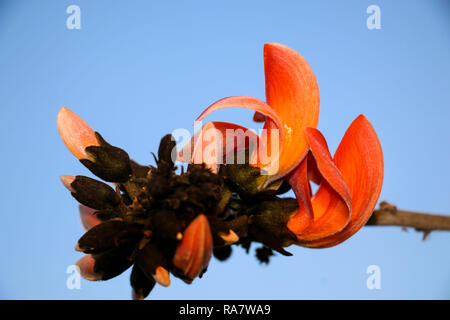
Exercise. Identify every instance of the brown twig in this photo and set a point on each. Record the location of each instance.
(389, 215)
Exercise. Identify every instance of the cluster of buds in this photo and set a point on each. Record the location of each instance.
(160, 221)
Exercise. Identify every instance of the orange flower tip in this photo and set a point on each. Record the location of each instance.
(179, 236)
(92, 277)
(77, 248)
(67, 181)
(76, 134)
(86, 265)
(230, 237)
(162, 276)
(137, 295)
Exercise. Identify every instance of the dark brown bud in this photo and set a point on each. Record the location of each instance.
(149, 259)
(141, 284)
(94, 194)
(114, 261)
(102, 237)
(109, 163)
(167, 150)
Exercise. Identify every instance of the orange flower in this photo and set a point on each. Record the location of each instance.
(159, 230)
(350, 183)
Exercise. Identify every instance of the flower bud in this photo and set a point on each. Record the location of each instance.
(141, 284)
(194, 251)
(153, 263)
(114, 261)
(167, 151)
(86, 265)
(75, 133)
(102, 237)
(107, 162)
(92, 193)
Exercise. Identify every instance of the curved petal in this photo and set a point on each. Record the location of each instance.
(314, 174)
(359, 158)
(76, 134)
(270, 162)
(332, 202)
(88, 218)
(214, 141)
(194, 251)
(293, 93)
(242, 102)
(298, 179)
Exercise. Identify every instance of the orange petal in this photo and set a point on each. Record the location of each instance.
(86, 265)
(212, 143)
(293, 93)
(75, 133)
(88, 218)
(194, 251)
(359, 158)
(314, 174)
(270, 165)
(332, 202)
(299, 182)
(242, 102)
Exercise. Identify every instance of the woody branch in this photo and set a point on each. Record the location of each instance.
(389, 215)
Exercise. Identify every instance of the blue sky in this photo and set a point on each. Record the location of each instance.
(137, 70)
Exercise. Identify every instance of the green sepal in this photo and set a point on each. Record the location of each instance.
(269, 223)
(246, 179)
